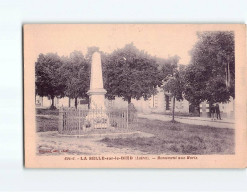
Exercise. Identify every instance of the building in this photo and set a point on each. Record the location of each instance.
(160, 103)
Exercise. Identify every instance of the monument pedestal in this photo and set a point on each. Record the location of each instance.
(97, 116)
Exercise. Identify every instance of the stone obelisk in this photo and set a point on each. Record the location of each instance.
(97, 110)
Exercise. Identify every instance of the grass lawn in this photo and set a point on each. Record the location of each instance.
(49, 123)
(169, 138)
(177, 138)
(45, 111)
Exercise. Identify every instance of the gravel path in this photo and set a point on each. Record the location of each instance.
(52, 143)
(190, 120)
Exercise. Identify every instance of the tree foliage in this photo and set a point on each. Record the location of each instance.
(131, 73)
(76, 76)
(48, 76)
(175, 84)
(168, 66)
(212, 61)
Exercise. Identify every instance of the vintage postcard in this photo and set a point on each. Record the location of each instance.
(135, 95)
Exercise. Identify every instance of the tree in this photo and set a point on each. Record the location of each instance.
(131, 73)
(76, 76)
(168, 66)
(195, 82)
(48, 76)
(173, 78)
(211, 74)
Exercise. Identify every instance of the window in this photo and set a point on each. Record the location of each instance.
(153, 101)
(167, 100)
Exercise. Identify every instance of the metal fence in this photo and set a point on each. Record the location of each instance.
(77, 121)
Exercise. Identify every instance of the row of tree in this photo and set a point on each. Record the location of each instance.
(127, 73)
(131, 73)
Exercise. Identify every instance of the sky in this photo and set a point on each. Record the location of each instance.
(156, 39)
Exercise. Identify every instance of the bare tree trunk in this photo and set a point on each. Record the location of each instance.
(173, 109)
(52, 102)
(198, 109)
(129, 100)
(76, 103)
(69, 101)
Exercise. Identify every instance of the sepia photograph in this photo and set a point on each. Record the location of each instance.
(127, 91)
(123, 96)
